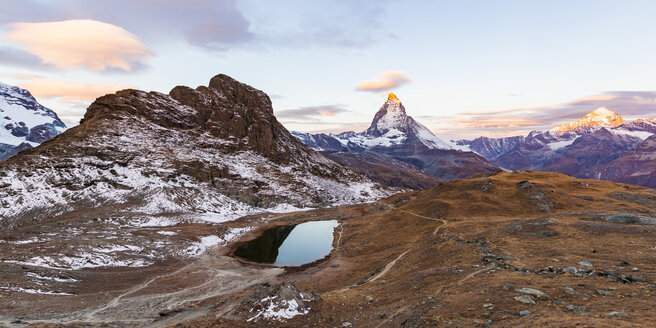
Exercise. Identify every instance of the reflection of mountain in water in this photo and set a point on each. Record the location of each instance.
(264, 249)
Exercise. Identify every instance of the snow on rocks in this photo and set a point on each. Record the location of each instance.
(33, 291)
(280, 302)
(207, 242)
(600, 117)
(23, 121)
(82, 260)
(278, 310)
(390, 127)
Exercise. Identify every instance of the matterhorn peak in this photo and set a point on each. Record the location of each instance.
(393, 97)
(391, 120)
(600, 117)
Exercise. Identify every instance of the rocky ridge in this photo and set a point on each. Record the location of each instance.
(215, 149)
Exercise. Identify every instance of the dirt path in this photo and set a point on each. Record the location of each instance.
(444, 222)
(393, 262)
(471, 275)
(388, 267)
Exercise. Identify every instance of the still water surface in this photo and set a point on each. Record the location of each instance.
(292, 245)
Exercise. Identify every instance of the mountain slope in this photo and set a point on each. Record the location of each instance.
(589, 151)
(520, 249)
(540, 149)
(491, 148)
(637, 166)
(391, 120)
(385, 170)
(584, 148)
(215, 149)
(24, 123)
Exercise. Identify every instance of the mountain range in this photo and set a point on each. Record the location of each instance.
(398, 151)
(601, 145)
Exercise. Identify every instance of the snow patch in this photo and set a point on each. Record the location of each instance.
(560, 144)
(34, 291)
(207, 242)
(279, 310)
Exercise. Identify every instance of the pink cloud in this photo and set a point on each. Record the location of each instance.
(84, 43)
(384, 82)
(69, 90)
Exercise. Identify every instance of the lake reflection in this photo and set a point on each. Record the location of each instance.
(291, 245)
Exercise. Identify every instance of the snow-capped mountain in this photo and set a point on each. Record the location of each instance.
(600, 117)
(392, 126)
(395, 134)
(24, 123)
(216, 149)
(579, 148)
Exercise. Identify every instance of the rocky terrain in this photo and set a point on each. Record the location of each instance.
(24, 123)
(394, 134)
(500, 250)
(146, 181)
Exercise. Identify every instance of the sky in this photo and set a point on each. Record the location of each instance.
(462, 68)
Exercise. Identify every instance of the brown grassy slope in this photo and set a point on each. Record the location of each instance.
(502, 233)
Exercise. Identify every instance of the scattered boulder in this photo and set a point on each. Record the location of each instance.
(617, 314)
(571, 291)
(585, 263)
(531, 291)
(525, 184)
(577, 309)
(571, 270)
(525, 299)
(534, 228)
(626, 218)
